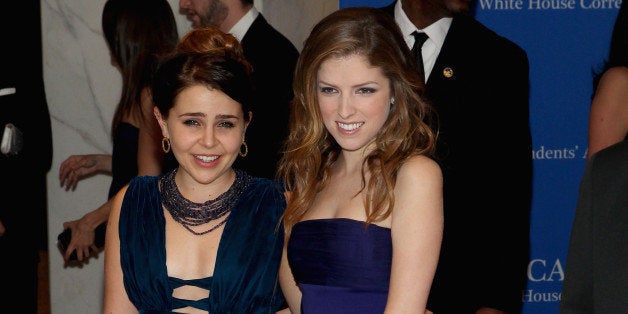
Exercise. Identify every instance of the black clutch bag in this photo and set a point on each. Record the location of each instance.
(63, 240)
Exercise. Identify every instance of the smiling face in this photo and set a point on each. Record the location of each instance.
(206, 128)
(354, 100)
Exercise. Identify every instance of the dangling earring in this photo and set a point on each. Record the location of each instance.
(165, 144)
(246, 149)
(392, 101)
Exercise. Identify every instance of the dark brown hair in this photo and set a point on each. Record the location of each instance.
(139, 34)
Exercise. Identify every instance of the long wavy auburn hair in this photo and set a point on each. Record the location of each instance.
(309, 150)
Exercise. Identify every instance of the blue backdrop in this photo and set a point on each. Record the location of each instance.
(566, 40)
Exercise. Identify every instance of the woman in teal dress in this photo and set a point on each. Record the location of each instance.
(204, 237)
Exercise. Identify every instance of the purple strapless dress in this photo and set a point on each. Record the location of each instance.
(340, 265)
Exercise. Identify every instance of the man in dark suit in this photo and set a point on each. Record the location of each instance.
(273, 58)
(478, 83)
(596, 273)
(26, 155)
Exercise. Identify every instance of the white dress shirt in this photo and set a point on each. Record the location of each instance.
(239, 29)
(436, 32)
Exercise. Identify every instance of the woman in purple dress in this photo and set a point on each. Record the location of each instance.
(364, 217)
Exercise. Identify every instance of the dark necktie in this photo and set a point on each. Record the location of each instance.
(419, 40)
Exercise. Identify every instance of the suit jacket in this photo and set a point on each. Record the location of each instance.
(596, 273)
(479, 87)
(273, 58)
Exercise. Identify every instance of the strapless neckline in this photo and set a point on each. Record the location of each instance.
(348, 221)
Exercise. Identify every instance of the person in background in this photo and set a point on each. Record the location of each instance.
(138, 33)
(608, 117)
(273, 58)
(478, 81)
(211, 237)
(596, 272)
(364, 218)
(26, 155)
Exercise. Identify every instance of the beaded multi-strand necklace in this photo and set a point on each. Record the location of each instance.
(190, 214)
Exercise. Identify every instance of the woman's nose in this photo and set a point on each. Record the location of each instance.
(208, 139)
(345, 108)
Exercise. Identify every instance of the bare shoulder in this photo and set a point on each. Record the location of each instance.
(116, 205)
(418, 194)
(419, 170)
(615, 76)
(617, 72)
(420, 166)
(612, 90)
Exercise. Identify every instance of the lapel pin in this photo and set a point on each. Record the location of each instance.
(448, 72)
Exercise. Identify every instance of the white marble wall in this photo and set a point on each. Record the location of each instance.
(82, 89)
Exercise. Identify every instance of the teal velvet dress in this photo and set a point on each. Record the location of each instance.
(247, 262)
